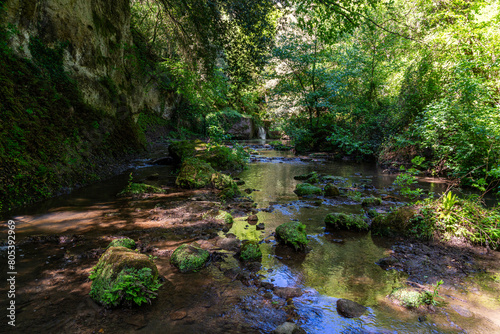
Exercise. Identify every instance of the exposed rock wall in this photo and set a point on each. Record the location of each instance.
(98, 50)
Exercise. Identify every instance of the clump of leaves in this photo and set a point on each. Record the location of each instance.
(429, 298)
(130, 286)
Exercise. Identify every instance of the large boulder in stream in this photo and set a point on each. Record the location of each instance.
(118, 271)
(397, 222)
(306, 189)
(343, 221)
(349, 309)
(183, 149)
(332, 190)
(194, 173)
(292, 234)
(189, 257)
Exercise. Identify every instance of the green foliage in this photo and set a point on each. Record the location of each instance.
(123, 242)
(250, 251)
(407, 178)
(131, 286)
(371, 201)
(222, 157)
(344, 221)
(292, 234)
(133, 188)
(429, 298)
(225, 216)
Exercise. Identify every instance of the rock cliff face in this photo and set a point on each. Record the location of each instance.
(98, 50)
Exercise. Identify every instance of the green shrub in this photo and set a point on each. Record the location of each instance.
(130, 286)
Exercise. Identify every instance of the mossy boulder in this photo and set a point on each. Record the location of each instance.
(189, 257)
(250, 251)
(371, 201)
(225, 158)
(124, 242)
(343, 221)
(306, 176)
(306, 189)
(292, 234)
(123, 276)
(225, 216)
(333, 179)
(222, 181)
(407, 297)
(195, 174)
(397, 222)
(331, 190)
(180, 150)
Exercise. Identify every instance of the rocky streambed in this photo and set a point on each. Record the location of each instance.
(58, 243)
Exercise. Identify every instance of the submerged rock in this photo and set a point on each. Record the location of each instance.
(250, 251)
(343, 221)
(292, 234)
(287, 292)
(331, 190)
(118, 269)
(189, 257)
(349, 309)
(389, 263)
(307, 176)
(304, 189)
(194, 174)
(288, 328)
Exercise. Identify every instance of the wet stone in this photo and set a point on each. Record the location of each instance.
(260, 226)
(350, 309)
(178, 315)
(287, 293)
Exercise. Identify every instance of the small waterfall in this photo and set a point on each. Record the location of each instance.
(261, 132)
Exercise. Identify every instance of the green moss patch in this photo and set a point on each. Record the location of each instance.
(140, 188)
(124, 242)
(371, 201)
(123, 276)
(342, 221)
(397, 222)
(292, 234)
(182, 149)
(250, 251)
(306, 189)
(189, 257)
(225, 216)
(407, 297)
(221, 157)
(195, 174)
(306, 176)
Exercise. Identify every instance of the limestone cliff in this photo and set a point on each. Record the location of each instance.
(98, 50)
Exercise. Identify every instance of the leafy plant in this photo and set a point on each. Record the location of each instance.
(430, 298)
(131, 286)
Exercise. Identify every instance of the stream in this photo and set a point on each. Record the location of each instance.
(59, 240)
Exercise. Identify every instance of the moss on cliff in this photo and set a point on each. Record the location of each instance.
(49, 138)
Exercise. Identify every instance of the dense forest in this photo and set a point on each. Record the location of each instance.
(375, 179)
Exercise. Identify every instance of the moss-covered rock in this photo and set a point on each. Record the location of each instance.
(398, 222)
(180, 150)
(371, 201)
(250, 251)
(331, 190)
(333, 179)
(222, 181)
(195, 174)
(407, 297)
(124, 242)
(225, 216)
(306, 176)
(343, 221)
(292, 234)
(225, 158)
(123, 276)
(305, 189)
(189, 257)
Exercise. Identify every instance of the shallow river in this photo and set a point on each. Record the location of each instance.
(337, 265)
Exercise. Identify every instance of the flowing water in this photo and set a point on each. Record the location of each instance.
(337, 265)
